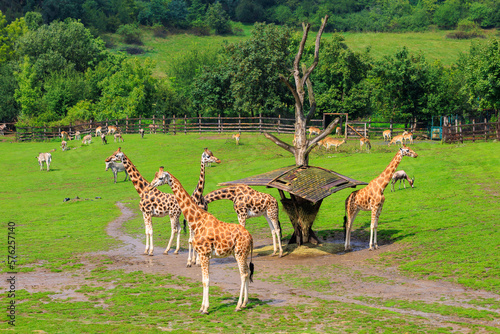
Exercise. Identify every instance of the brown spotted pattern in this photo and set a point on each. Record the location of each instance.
(371, 198)
(249, 203)
(153, 203)
(213, 237)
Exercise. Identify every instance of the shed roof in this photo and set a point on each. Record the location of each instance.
(308, 182)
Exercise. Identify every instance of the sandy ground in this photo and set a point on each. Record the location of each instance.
(353, 275)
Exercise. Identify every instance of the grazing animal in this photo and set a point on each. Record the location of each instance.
(98, 131)
(65, 135)
(313, 130)
(152, 128)
(387, 135)
(103, 139)
(118, 136)
(116, 167)
(141, 131)
(329, 142)
(395, 139)
(236, 137)
(371, 198)
(338, 131)
(87, 139)
(213, 237)
(112, 129)
(44, 157)
(408, 136)
(64, 145)
(249, 203)
(365, 141)
(77, 135)
(2, 128)
(401, 176)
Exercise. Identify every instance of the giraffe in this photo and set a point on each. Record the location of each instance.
(207, 158)
(371, 198)
(153, 203)
(249, 203)
(212, 237)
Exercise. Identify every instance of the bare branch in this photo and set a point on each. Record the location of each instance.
(316, 50)
(289, 85)
(280, 143)
(312, 99)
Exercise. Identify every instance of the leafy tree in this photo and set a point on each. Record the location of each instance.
(249, 11)
(217, 19)
(9, 35)
(448, 14)
(9, 108)
(33, 20)
(130, 33)
(211, 93)
(256, 64)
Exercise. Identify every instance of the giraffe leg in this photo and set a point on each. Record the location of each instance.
(275, 232)
(373, 226)
(205, 263)
(173, 226)
(190, 242)
(244, 275)
(242, 216)
(148, 231)
(178, 228)
(351, 216)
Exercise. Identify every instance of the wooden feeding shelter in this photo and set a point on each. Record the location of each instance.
(307, 186)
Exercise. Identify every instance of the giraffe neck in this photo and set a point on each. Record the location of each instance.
(197, 195)
(188, 207)
(140, 183)
(385, 177)
(224, 193)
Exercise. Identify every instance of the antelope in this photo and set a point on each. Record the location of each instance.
(2, 127)
(116, 167)
(401, 176)
(338, 131)
(329, 142)
(65, 135)
(103, 139)
(313, 130)
(141, 131)
(44, 157)
(87, 139)
(98, 131)
(395, 139)
(112, 129)
(64, 146)
(363, 141)
(387, 135)
(152, 128)
(408, 136)
(77, 135)
(118, 136)
(237, 137)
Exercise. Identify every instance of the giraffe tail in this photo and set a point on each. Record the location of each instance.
(251, 265)
(345, 227)
(279, 225)
(184, 226)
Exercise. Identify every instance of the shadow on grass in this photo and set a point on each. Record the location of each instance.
(228, 304)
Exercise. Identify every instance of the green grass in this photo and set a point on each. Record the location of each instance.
(448, 225)
(432, 44)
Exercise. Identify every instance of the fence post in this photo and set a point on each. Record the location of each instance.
(163, 123)
(185, 124)
(498, 126)
(126, 124)
(175, 125)
(324, 121)
(140, 118)
(390, 126)
(279, 122)
(473, 130)
(239, 123)
(461, 134)
(199, 122)
(485, 129)
(260, 122)
(218, 125)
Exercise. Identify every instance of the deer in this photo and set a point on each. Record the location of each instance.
(237, 138)
(103, 139)
(141, 131)
(44, 157)
(64, 145)
(152, 128)
(401, 176)
(118, 136)
(87, 139)
(98, 131)
(2, 128)
(387, 135)
(112, 129)
(364, 141)
(78, 135)
(313, 130)
(329, 142)
(338, 131)
(395, 139)
(408, 136)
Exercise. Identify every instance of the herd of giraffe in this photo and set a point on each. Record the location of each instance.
(210, 237)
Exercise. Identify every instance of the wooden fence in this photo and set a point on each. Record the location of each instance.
(175, 125)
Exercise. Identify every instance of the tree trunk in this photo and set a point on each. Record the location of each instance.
(302, 214)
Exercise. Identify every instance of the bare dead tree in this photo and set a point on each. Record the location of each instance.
(303, 146)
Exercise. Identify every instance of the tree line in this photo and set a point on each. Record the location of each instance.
(204, 15)
(60, 73)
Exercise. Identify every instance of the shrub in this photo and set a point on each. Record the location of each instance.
(130, 33)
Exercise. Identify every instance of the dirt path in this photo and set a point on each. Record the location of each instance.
(349, 275)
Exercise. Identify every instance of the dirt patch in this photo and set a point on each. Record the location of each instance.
(351, 277)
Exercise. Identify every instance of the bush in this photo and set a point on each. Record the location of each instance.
(130, 33)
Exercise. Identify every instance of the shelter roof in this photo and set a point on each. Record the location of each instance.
(308, 182)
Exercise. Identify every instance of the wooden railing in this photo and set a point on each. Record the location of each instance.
(471, 132)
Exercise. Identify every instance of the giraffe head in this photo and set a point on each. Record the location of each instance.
(161, 177)
(406, 151)
(118, 155)
(207, 157)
